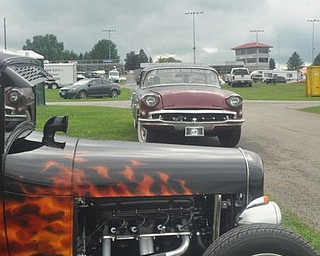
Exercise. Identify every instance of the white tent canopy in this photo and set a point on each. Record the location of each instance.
(25, 53)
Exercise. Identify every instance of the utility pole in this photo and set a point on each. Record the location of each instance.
(109, 44)
(312, 47)
(5, 33)
(257, 31)
(194, 32)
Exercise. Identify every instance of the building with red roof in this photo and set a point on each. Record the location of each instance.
(254, 55)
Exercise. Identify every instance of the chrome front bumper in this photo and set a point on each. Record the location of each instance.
(159, 118)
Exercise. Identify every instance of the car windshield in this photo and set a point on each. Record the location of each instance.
(194, 76)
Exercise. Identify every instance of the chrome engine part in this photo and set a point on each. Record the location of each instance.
(181, 225)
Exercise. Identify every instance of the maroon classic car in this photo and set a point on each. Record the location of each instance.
(63, 196)
(185, 100)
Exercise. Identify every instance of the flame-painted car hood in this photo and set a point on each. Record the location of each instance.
(126, 169)
(197, 96)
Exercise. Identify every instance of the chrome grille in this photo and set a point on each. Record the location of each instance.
(193, 117)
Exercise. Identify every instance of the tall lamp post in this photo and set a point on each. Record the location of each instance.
(109, 31)
(194, 33)
(5, 33)
(257, 31)
(313, 21)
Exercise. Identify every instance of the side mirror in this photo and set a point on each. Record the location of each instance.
(53, 125)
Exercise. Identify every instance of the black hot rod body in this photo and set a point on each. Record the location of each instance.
(68, 196)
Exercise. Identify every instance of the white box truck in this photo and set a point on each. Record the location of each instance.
(63, 74)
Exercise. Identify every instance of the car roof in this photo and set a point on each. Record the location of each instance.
(150, 66)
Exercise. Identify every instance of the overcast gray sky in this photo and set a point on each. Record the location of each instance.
(161, 28)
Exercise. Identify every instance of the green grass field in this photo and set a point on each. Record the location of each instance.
(260, 91)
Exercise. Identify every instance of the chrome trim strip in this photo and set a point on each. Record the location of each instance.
(216, 217)
(247, 175)
(194, 111)
(130, 237)
(180, 126)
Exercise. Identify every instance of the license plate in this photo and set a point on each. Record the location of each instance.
(194, 131)
(62, 93)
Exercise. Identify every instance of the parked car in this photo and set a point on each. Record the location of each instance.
(67, 196)
(91, 87)
(240, 77)
(276, 79)
(185, 100)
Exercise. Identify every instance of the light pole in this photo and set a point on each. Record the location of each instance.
(313, 21)
(194, 33)
(109, 44)
(257, 31)
(5, 33)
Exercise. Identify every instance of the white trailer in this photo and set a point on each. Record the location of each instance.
(63, 74)
(267, 75)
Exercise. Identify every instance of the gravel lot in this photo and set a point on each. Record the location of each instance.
(289, 142)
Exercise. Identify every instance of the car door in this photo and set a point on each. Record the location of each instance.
(95, 88)
(107, 86)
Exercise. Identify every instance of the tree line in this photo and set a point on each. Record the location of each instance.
(53, 50)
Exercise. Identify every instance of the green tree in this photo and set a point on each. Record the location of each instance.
(167, 60)
(105, 49)
(69, 55)
(272, 64)
(132, 61)
(316, 61)
(47, 45)
(294, 62)
(142, 56)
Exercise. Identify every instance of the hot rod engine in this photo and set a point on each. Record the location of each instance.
(175, 225)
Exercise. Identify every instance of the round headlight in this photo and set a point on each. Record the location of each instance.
(150, 100)
(14, 96)
(234, 101)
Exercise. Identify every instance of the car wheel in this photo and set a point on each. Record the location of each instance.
(114, 94)
(230, 138)
(260, 240)
(54, 86)
(145, 135)
(82, 95)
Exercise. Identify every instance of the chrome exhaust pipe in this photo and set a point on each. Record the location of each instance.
(106, 246)
(180, 250)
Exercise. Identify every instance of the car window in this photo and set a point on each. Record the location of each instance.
(96, 82)
(180, 76)
(106, 82)
(240, 72)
